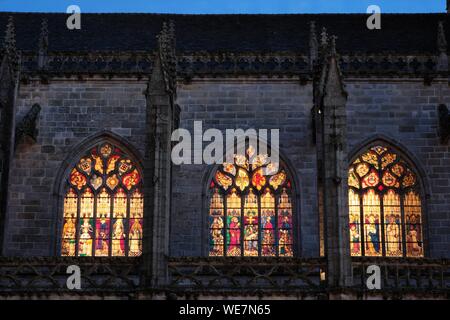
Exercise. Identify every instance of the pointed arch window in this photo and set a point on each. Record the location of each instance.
(103, 206)
(385, 205)
(250, 209)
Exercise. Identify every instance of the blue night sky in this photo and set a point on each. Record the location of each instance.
(225, 6)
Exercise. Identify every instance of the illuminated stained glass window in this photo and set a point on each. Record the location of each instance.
(250, 209)
(385, 209)
(103, 206)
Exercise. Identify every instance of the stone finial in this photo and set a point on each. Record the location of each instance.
(9, 44)
(313, 43)
(333, 45)
(167, 54)
(324, 38)
(442, 63)
(333, 85)
(441, 39)
(9, 66)
(43, 45)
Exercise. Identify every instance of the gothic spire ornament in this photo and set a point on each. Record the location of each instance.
(313, 44)
(43, 45)
(167, 54)
(442, 60)
(9, 64)
(441, 40)
(324, 38)
(9, 45)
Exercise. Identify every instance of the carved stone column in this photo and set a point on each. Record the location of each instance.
(331, 134)
(9, 82)
(161, 115)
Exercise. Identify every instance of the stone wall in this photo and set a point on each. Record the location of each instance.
(405, 112)
(402, 112)
(71, 112)
(277, 104)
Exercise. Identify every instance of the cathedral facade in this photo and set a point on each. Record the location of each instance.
(87, 178)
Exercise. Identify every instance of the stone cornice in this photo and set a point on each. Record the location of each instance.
(202, 64)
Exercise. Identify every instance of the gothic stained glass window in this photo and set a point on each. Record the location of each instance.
(103, 207)
(250, 209)
(385, 209)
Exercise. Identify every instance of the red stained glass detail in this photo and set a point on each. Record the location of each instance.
(394, 177)
(93, 233)
(131, 179)
(288, 184)
(258, 179)
(212, 185)
(371, 180)
(111, 166)
(77, 179)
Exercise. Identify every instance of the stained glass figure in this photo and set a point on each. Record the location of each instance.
(392, 227)
(233, 244)
(103, 206)
(285, 225)
(136, 223)
(69, 226)
(354, 223)
(251, 224)
(250, 208)
(413, 227)
(385, 205)
(216, 222)
(102, 224)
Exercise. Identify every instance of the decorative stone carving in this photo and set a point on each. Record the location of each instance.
(27, 126)
(241, 274)
(313, 44)
(9, 64)
(167, 54)
(34, 275)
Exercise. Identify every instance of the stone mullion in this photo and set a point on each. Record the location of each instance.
(77, 222)
(127, 223)
(403, 226)
(96, 197)
(110, 233)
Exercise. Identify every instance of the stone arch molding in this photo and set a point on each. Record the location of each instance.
(415, 165)
(208, 175)
(70, 161)
(402, 149)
